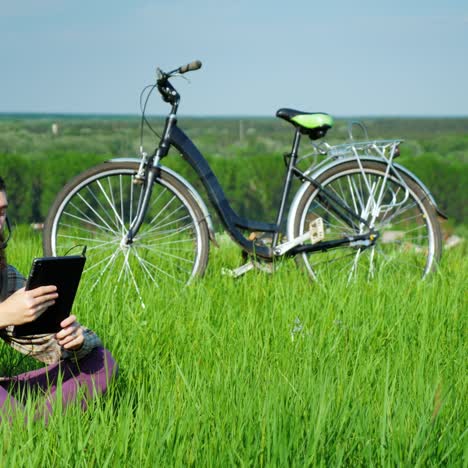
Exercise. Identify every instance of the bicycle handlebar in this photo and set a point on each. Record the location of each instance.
(168, 92)
(192, 66)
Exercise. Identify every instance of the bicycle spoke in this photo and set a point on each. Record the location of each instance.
(162, 210)
(103, 271)
(87, 239)
(152, 231)
(87, 220)
(397, 259)
(407, 240)
(331, 213)
(173, 242)
(399, 211)
(122, 215)
(354, 197)
(165, 273)
(111, 204)
(174, 232)
(162, 252)
(96, 264)
(155, 202)
(132, 276)
(354, 265)
(144, 264)
(112, 200)
(80, 228)
(98, 205)
(404, 220)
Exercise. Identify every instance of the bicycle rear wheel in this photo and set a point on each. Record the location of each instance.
(96, 209)
(409, 233)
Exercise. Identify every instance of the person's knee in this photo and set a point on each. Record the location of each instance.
(110, 365)
(100, 367)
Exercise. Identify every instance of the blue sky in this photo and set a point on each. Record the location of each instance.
(346, 58)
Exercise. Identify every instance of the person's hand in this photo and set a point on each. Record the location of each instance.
(71, 335)
(26, 306)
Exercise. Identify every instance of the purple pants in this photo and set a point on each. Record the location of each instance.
(88, 378)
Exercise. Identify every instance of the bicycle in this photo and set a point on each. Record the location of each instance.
(357, 211)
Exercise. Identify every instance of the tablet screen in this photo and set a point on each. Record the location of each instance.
(63, 272)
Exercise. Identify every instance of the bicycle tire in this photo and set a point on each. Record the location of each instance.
(409, 232)
(96, 209)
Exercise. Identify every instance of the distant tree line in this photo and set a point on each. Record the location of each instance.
(253, 184)
(39, 155)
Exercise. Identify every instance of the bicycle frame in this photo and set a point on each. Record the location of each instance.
(234, 224)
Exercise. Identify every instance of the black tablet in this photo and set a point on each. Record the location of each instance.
(63, 272)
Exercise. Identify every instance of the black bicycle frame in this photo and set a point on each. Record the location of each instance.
(231, 221)
(234, 223)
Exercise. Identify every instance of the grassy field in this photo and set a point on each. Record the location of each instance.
(266, 371)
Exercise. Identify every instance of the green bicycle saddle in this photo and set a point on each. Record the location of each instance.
(314, 124)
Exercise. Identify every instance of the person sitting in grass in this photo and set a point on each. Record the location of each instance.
(75, 355)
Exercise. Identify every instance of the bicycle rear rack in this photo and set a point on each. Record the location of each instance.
(384, 151)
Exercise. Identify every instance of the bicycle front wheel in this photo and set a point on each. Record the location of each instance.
(395, 206)
(97, 208)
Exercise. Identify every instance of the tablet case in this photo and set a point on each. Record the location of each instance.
(63, 272)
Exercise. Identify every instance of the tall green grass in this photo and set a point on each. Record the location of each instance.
(266, 371)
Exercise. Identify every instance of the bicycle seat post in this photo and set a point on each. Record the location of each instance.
(287, 184)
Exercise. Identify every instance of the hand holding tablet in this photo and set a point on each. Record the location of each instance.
(65, 274)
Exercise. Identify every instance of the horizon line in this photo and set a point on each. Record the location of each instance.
(220, 116)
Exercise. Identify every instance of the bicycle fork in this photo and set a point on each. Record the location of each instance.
(147, 174)
(148, 181)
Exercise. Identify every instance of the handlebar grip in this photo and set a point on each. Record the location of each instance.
(192, 66)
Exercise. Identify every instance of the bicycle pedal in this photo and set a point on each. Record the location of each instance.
(236, 272)
(316, 230)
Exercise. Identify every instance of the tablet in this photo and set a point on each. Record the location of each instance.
(63, 272)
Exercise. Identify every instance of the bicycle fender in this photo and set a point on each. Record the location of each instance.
(321, 170)
(189, 187)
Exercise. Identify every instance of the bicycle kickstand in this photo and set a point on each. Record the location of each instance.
(250, 265)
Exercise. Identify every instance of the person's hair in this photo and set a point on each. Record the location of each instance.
(3, 269)
(3, 260)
